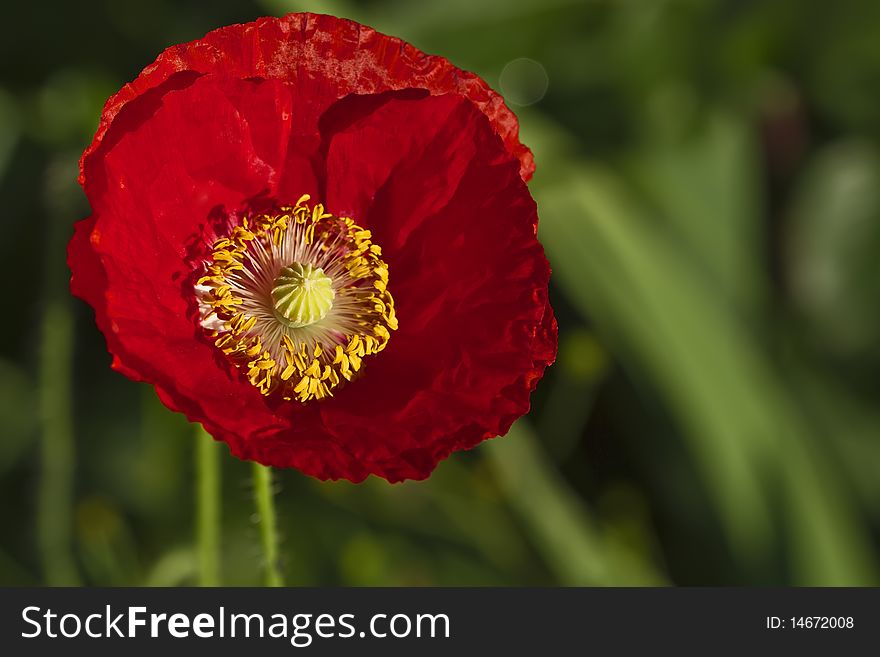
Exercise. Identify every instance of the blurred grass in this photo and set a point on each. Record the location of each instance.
(708, 190)
(578, 551)
(669, 325)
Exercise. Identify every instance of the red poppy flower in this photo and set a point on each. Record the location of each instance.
(318, 242)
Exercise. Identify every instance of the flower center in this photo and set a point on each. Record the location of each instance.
(302, 294)
(297, 299)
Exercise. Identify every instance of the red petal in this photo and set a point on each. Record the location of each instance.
(343, 56)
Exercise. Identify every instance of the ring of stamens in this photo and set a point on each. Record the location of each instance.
(297, 299)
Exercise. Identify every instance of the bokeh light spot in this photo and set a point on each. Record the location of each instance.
(523, 81)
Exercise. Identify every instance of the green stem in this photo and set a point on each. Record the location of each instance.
(207, 508)
(268, 530)
(55, 495)
(55, 503)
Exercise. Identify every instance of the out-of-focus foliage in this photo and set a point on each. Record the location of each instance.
(709, 190)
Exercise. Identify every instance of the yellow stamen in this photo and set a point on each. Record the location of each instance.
(302, 347)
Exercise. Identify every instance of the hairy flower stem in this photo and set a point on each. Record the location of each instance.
(207, 508)
(268, 529)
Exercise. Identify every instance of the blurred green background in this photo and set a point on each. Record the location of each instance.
(709, 190)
